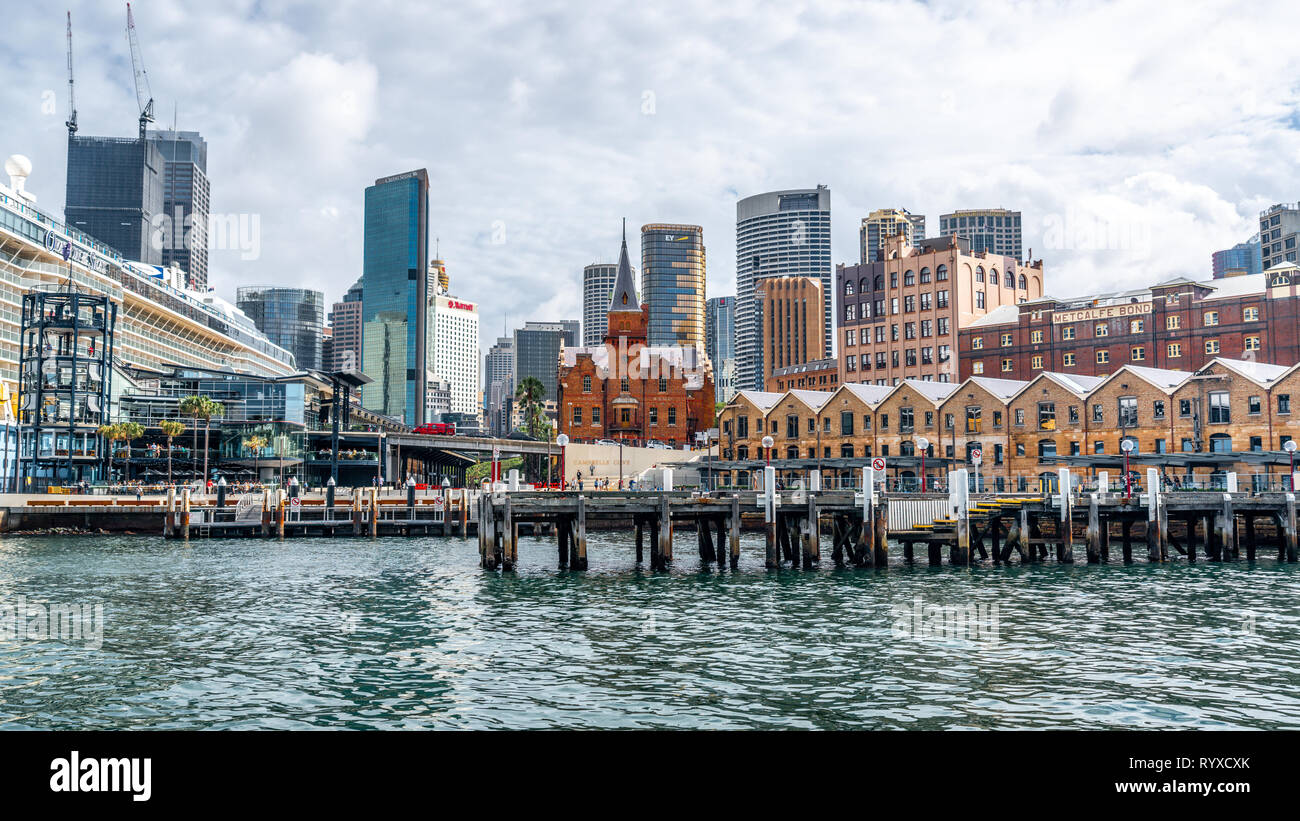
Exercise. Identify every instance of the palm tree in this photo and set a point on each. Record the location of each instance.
(201, 407)
(111, 434)
(255, 444)
(129, 431)
(530, 394)
(173, 429)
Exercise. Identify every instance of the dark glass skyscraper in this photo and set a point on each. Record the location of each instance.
(720, 344)
(293, 318)
(672, 283)
(186, 198)
(114, 191)
(395, 295)
(537, 352)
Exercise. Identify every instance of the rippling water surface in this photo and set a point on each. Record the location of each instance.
(411, 633)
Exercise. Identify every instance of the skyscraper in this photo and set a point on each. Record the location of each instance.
(720, 344)
(993, 230)
(395, 295)
(1279, 234)
(780, 233)
(1242, 258)
(597, 285)
(114, 192)
(885, 222)
(537, 348)
(453, 345)
(499, 385)
(345, 322)
(672, 283)
(293, 318)
(186, 199)
(790, 314)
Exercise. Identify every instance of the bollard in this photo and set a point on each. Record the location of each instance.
(1155, 533)
(1094, 530)
(668, 480)
(374, 512)
(185, 514)
(769, 517)
(1065, 550)
(329, 496)
(959, 507)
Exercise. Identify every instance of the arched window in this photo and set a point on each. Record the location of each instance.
(880, 282)
(1220, 443)
(792, 452)
(862, 286)
(846, 451)
(1046, 448)
(941, 273)
(925, 275)
(742, 452)
(1011, 280)
(979, 273)
(1024, 284)
(848, 288)
(909, 277)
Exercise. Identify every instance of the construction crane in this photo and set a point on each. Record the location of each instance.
(72, 96)
(143, 94)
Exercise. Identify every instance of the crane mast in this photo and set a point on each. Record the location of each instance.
(72, 95)
(143, 94)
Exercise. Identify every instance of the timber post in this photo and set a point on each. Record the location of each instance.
(580, 541)
(733, 525)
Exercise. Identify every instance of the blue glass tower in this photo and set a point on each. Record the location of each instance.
(394, 295)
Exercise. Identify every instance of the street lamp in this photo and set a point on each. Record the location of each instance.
(1289, 447)
(1127, 446)
(924, 445)
(767, 449)
(562, 440)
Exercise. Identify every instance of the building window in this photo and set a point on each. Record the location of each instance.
(979, 273)
(1284, 403)
(1036, 337)
(1098, 414)
(1006, 366)
(624, 385)
(977, 342)
(1136, 326)
(846, 423)
(1103, 357)
(909, 304)
(942, 326)
(586, 384)
(1098, 446)
(1047, 416)
(1074, 414)
(1250, 315)
(1220, 411)
(850, 312)
(1036, 362)
(905, 420)
(941, 299)
(1174, 350)
(577, 416)
(909, 277)
(1006, 340)
(884, 422)
(1253, 405)
(977, 368)
(927, 327)
(1252, 343)
(1211, 346)
(1158, 409)
(1128, 411)
(625, 416)
(850, 363)
(1211, 318)
(654, 416)
(1101, 329)
(941, 273)
(672, 416)
(595, 416)
(979, 300)
(848, 287)
(1020, 417)
(1220, 443)
(1067, 332)
(925, 275)
(1068, 360)
(1138, 354)
(1171, 322)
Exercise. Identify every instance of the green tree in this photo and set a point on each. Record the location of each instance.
(531, 396)
(256, 443)
(201, 407)
(173, 429)
(129, 432)
(110, 434)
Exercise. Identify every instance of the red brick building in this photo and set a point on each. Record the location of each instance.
(899, 316)
(1176, 325)
(627, 390)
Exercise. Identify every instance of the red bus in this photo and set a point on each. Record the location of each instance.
(436, 429)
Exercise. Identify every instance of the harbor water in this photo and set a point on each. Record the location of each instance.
(411, 633)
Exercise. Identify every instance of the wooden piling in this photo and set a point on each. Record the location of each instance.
(959, 556)
(508, 536)
(1126, 528)
(811, 533)
(562, 536)
(880, 537)
(663, 548)
(640, 539)
(1290, 528)
(733, 526)
(1094, 531)
(1250, 536)
(580, 537)
(185, 514)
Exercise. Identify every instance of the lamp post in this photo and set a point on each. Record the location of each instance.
(923, 444)
(1289, 446)
(767, 451)
(379, 460)
(1127, 447)
(620, 463)
(562, 440)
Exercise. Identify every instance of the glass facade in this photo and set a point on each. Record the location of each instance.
(395, 294)
(293, 318)
(720, 343)
(114, 191)
(1245, 258)
(993, 230)
(186, 198)
(672, 284)
(537, 352)
(597, 287)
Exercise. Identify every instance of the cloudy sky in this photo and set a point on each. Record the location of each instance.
(1136, 137)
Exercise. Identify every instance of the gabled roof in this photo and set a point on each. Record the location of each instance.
(624, 296)
(870, 394)
(1001, 388)
(1079, 385)
(1003, 315)
(813, 399)
(763, 400)
(1163, 379)
(935, 392)
(1261, 373)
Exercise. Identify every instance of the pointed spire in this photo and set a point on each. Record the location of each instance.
(624, 298)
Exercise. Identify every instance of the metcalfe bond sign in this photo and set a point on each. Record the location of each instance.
(1106, 312)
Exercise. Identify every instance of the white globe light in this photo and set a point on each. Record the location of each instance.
(562, 439)
(1126, 445)
(922, 442)
(768, 441)
(1289, 446)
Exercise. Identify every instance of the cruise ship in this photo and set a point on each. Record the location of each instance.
(160, 322)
